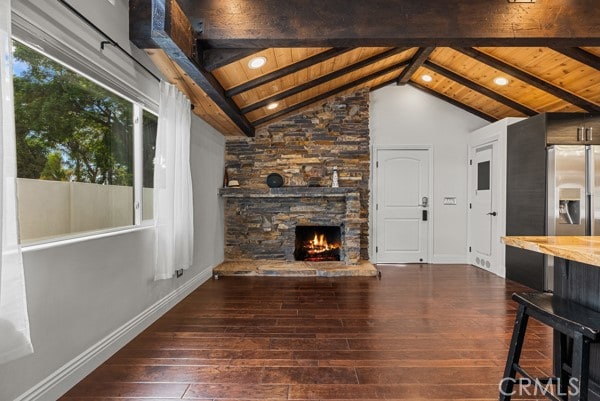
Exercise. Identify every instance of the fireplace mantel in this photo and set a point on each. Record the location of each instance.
(287, 192)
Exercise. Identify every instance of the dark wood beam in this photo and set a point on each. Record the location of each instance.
(290, 69)
(383, 85)
(417, 61)
(580, 55)
(325, 78)
(216, 58)
(454, 102)
(480, 89)
(163, 25)
(530, 79)
(394, 23)
(330, 93)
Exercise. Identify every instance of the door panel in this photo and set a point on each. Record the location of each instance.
(402, 235)
(483, 213)
(406, 189)
(401, 231)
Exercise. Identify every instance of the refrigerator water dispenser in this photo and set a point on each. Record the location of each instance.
(569, 206)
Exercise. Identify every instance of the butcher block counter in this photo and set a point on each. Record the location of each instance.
(576, 278)
(578, 249)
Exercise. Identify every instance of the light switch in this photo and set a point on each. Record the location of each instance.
(450, 201)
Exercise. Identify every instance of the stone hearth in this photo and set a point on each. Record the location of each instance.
(293, 269)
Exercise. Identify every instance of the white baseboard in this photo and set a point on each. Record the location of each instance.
(441, 259)
(71, 373)
(449, 259)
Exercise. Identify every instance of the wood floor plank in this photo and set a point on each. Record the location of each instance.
(422, 332)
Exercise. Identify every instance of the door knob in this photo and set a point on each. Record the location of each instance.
(492, 214)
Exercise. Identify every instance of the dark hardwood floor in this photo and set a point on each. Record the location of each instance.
(422, 332)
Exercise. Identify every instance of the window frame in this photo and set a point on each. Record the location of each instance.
(139, 106)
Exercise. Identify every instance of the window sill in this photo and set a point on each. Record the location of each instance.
(53, 243)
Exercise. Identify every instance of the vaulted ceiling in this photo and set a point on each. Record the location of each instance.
(548, 52)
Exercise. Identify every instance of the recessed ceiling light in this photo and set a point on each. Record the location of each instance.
(501, 81)
(272, 106)
(257, 62)
(426, 78)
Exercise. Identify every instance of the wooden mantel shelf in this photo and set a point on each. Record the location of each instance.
(287, 192)
(581, 249)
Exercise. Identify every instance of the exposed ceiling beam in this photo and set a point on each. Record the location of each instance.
(290, 69)
(417, 61)
(393, 23)
(331, 93)
(384, 84)
(216, 58)
(161, 24)
(580, 55)
(323, 79)
(479, 88)
(454, 102)
(530, 79)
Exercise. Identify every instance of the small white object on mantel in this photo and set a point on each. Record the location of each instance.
(334, 178)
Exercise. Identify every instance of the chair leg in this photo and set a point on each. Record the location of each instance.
(563, 375)
(580, 367)
(514, 353)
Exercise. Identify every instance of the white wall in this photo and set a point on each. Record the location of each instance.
(88, 298)
(403, 115)
(208, 164)
(82, 292)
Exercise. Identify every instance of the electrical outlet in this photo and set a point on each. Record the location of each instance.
(450, 201)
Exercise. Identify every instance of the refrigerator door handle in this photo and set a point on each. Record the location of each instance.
(589, 167)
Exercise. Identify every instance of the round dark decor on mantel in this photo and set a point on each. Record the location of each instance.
(274, 180)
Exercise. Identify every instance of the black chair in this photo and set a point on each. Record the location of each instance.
(577, 326)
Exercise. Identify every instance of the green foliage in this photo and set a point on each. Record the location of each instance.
(53, 170)
(69, 128)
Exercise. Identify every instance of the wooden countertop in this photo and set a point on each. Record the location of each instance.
(579, 249)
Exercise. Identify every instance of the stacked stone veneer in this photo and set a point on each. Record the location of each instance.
(304, 149)
(261, 223)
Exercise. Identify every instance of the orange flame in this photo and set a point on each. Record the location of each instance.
(319, 244)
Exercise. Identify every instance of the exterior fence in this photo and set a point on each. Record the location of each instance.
(50, 209)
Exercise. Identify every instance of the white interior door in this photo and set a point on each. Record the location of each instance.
(483, 214)
(402, 206)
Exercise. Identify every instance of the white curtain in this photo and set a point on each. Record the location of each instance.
(173, 208)
(15, 340)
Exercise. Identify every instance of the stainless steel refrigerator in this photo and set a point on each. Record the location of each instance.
(553, 180)
(573, 194)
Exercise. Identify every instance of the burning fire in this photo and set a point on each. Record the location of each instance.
(319, 245)
(312, 244)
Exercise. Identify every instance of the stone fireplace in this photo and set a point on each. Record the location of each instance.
(261, 222)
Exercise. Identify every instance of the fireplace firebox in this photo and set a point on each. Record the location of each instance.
(318, 243)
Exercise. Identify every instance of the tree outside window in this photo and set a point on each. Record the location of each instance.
(71, 130)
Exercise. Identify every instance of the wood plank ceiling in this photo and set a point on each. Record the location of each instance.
(544, 74)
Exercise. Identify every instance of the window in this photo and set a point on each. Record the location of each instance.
(483, 176)
(75, 151)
